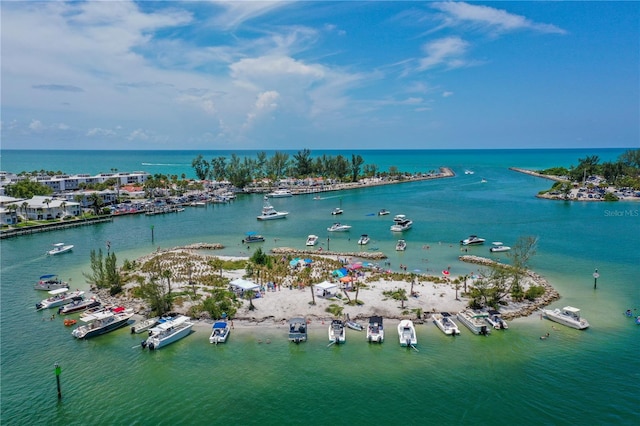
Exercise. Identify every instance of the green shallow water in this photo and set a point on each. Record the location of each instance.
(510, 377)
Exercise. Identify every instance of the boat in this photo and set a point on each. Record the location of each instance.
(407, 333)
(568, 316)
(144, 325)
(475, 321)
(354, 325)
(50, 282)
(401, 225)
(220, 332)
(364, 239)
(312, 240)
(252, 237)
(58, 297)
(337, 332)
(375, 330)
(383, 212)
(401, 245)
(468, 172)
(68, 322)
(59, 248)
(167, 332)
(280, 193)
(496, 321)
(498, 247)
(297, 330)
(338, 227)
(483, 180)
(445, 323)
(269, 213)
(78, 304)
(472, 240)
(337, 211)
(102, 322)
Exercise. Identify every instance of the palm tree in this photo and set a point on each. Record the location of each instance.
(96, 202)
(249, 294)
(47, 201)
(25, 205)
(63, 206)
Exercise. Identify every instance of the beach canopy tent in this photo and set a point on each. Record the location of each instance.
(326, 289)
(244, 285)
(340, 272)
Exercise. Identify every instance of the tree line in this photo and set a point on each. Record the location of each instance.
(242, 171)
(622, 173)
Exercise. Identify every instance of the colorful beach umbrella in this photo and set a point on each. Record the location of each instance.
(340, 272)
(347, 279)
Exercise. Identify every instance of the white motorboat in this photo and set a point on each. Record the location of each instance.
(375, 330)
(144, 325)
(220, 332)
(445, 323)
(468, 172)
(297, 330)
(58, 297)
(383, 212)
(102, 322)
(168, 332)
(50, 282)
(475, 321)
(568, 316)
(472, 240)
(401, 245)
(59, 248)
(338, 227)
(496, 321)
(407, 333)
(312, 240)
(280, 193)
(364, 239)
(401, 225)
(78, 304)
(499, 247)
(337, 332)
(337, 211)
(269, 213)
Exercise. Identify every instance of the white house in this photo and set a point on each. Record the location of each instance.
(46, 208)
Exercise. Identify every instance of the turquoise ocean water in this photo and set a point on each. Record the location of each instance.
(588, 377)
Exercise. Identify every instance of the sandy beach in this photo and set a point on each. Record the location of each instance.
(276, 304)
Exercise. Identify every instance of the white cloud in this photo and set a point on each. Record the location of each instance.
(36, 125)
(138, 134)
(234, 13)
(446, 94)
(444, 51)
(96, 131)
(460, 13)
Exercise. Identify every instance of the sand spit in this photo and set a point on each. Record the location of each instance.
(289, 298)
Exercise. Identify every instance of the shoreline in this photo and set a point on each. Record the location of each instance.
(292, 299)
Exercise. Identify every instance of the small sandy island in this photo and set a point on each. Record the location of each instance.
(290, 298)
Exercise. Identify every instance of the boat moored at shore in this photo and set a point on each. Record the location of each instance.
(338, 227)
(337, 332)
(168, 332)
(102, 321)
(312, 240)
(407, 334)
(475, 321)
(220, 332)
(375, 330)
(297, 330)
(78, 304)
(445, 323)
(496, 321)
(568, 316)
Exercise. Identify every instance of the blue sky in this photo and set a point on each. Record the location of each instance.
(319, 75)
